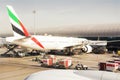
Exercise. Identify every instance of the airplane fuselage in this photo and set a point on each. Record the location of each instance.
(47, 42)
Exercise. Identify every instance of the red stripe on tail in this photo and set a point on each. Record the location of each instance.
(24, 29)
(37, 42)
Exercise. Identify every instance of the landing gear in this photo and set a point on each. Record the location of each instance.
(73, 51)
(68, 51)
(34, 52)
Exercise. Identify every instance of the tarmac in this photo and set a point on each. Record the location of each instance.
(20, 68)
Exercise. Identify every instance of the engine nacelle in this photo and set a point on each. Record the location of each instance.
(87, 48)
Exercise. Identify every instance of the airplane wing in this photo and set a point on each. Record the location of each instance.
(113, 41)
(98, 43)
(92, 42)
(73, 75)
(56, 75)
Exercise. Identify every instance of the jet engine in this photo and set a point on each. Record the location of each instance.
(87, 48)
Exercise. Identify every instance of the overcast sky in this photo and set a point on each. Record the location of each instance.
(54, 14)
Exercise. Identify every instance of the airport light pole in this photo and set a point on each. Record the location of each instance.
(34, 12)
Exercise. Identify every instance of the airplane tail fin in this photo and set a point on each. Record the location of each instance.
(17, 26)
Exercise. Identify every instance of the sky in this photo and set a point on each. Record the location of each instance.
(58, 15)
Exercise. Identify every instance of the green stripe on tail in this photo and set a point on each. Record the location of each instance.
(12, 16)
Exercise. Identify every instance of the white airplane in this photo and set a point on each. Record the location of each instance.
(38, 42)
(73, 75)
